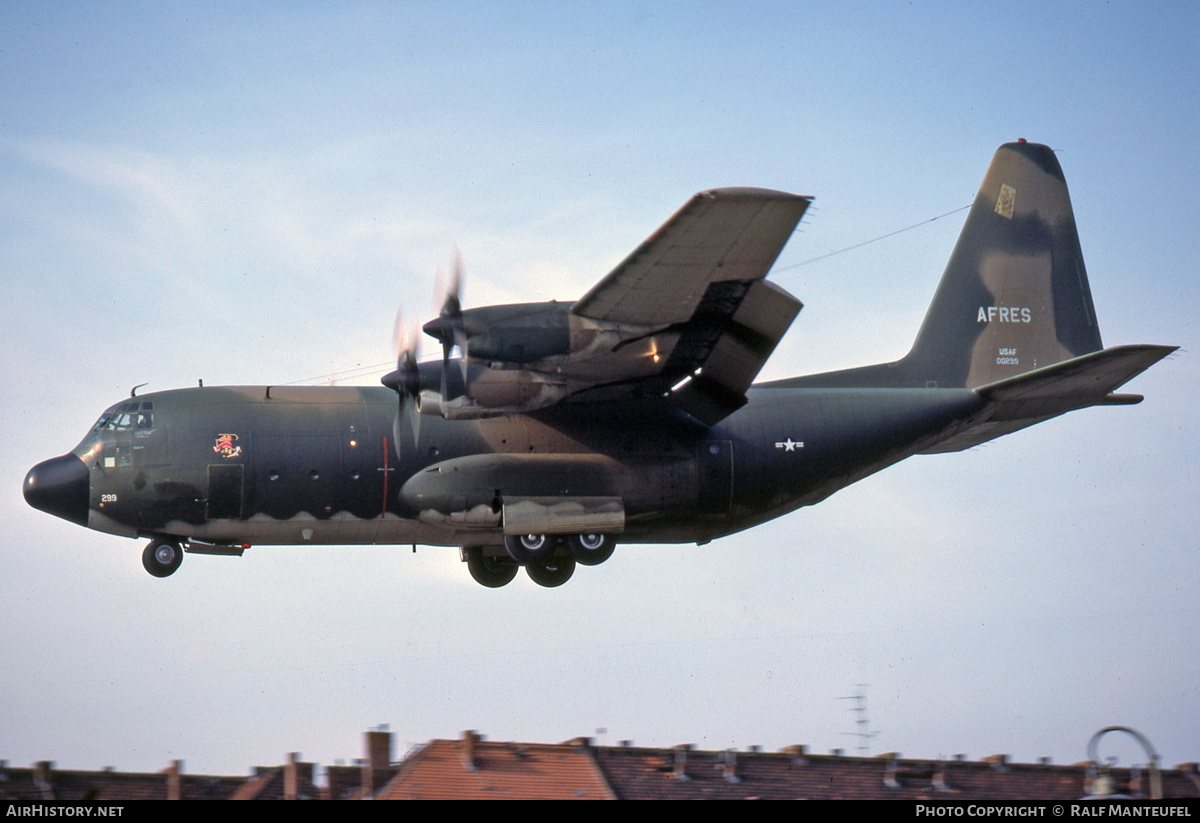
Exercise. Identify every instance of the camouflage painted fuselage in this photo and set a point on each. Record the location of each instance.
(297, 465)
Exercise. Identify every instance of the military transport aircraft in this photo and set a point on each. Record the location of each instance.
(547, 432)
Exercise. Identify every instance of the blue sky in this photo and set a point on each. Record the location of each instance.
(244, 193)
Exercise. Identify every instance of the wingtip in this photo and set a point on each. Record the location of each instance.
(1121, 399)
(750, 193)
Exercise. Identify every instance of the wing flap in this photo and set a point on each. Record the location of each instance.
(741, 345)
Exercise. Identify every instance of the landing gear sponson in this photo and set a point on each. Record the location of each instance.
(549, 560)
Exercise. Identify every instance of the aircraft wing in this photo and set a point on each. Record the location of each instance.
(693, 293)
(723, 235)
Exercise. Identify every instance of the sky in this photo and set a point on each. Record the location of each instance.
(245, 193)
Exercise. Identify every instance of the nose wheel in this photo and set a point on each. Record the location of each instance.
(162, 557)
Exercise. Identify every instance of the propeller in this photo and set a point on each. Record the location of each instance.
(406, 379)
(448, 327)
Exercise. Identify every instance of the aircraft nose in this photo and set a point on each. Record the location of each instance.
(59, 486)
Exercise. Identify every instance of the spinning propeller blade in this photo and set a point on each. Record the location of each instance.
(447, 327)
(406, 379)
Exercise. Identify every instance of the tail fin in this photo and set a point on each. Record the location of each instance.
(1012, 317)
(1014, 296)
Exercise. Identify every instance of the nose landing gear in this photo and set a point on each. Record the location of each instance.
(162, 557)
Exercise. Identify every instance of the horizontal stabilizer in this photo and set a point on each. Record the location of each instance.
(1018, 402)
(1072, 384)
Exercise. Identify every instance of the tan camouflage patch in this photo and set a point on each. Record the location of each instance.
(1006, 201)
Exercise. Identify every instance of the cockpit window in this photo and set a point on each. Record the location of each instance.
(127, 417)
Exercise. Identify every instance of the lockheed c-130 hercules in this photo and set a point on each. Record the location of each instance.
(628, 415)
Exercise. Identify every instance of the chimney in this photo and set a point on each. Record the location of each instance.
(470, 740)
(939, 778)
(891, 777)
(679, 769)
(379, 760)
(999, 762)
(174, 782)
(292, 773)
(729, 766)
(41, 778)
(797, 752)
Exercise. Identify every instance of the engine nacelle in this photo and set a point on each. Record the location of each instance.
(494, 392)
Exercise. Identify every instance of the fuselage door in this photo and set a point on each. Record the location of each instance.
(225, 482)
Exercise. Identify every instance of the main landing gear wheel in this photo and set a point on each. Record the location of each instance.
(590, 549)
(552, 572)
(530, 548)
(493, 571)
(162, 557)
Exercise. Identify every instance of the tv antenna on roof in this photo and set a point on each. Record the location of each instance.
(864, 733)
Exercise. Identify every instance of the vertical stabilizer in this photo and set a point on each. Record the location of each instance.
(1014, 296)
